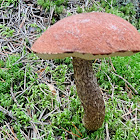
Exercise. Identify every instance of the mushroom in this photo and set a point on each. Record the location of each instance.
(85, 37)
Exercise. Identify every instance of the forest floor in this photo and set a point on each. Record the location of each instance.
(38, 98)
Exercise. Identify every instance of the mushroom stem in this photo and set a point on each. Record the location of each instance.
(89, 94)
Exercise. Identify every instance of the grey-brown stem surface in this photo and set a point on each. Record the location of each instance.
(89, 94)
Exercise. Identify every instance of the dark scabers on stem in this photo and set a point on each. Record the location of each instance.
(89, 94)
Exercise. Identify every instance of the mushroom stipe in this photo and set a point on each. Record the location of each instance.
(85, 37)
(89, 94)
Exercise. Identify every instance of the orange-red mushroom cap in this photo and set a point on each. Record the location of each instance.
(88, 36)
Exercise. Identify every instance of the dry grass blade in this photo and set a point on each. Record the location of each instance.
(12, 130)
(107, 132)
(129, 91)
(129, 112)
(13, 135)
(77, 129)
(136, 138)
(6, 112)
(112, 85)
(35, 132)
(71, 132)
(6, 134)
(136, 92)
(28, 88)
(112, 64)
(24, 135)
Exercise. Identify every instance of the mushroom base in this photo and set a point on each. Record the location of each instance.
(89, 94)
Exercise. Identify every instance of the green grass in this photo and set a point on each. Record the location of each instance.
(7, 3)
(6, 31)
(127, 67)
(59, 7)
(127, 10)
(27, 106)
